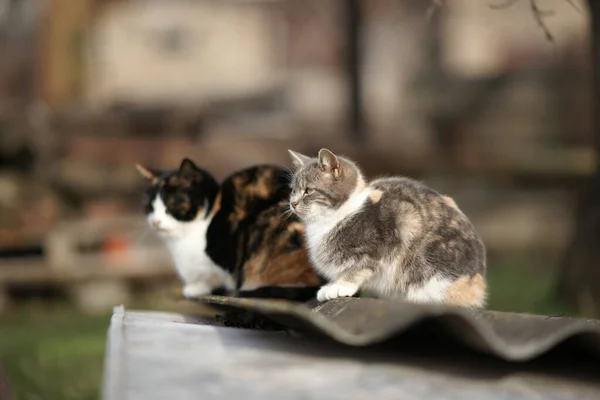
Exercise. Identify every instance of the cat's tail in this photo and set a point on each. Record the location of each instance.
(293, 293)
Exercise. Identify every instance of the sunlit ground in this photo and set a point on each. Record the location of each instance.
(55, 352)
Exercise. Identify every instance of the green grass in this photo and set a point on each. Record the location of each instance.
(53, 353)
(523, 290)
(57, 353)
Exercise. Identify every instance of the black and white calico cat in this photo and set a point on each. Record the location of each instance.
(232, 237)
(393, 236)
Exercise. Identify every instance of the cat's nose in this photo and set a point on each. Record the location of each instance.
(294, 204)
(156, 223)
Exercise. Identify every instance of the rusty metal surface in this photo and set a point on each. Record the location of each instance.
(364, 322)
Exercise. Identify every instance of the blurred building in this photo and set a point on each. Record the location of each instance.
(476, 102)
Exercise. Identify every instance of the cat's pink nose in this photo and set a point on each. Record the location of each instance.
(156, 223)
(294, 204)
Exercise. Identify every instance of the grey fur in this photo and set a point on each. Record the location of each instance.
(393, 236)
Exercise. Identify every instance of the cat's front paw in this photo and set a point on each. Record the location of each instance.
(335, 290)
(195, 290)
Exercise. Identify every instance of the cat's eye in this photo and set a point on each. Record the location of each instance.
(308, 190)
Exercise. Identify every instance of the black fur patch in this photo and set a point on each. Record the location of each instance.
(244, 195)
(252, 238)
(184, 191)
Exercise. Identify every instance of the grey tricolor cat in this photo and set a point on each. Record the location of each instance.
(394, 237)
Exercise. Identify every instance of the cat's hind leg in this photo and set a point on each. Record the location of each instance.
(467, 291)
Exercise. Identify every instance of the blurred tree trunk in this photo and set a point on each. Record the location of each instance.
(353, 29)
(579, 284)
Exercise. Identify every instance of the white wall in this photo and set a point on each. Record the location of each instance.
(229, 48)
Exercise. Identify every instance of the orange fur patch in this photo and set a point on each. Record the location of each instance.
(274, 264)
(236, 216)
(261, 189)
(296, 226)
(286, 269)
(375, 196)
(467, 291)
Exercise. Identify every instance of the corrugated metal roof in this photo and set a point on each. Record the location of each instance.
(365, 321)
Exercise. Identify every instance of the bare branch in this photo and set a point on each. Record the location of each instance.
(538, 16)
(503, 5)
(536, 12)
(507, 3)
(574, 5)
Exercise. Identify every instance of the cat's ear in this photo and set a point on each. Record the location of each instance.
(299, 160)
(147, 173)
(187, 167)
(188, 172)
(329, 162)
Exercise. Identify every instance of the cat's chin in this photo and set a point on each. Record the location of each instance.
(306, 219)
(312, 215)
(309, 217)
(165, 233)
(301, 216)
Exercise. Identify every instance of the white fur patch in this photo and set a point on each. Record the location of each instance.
(196, 289)
(187, 243)
(316, 231)
(434, 291)
(336, 290)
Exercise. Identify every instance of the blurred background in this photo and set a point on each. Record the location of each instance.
(474, 99)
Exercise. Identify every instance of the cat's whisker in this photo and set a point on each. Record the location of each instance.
(283, 207)
(284, 217)
(289, 174)
(286, 213)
